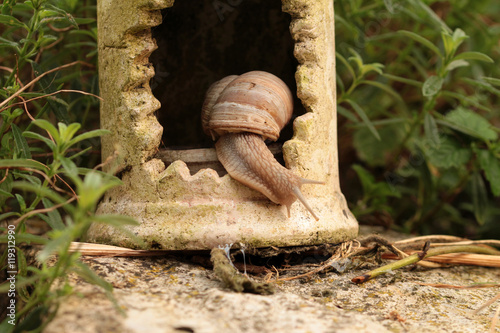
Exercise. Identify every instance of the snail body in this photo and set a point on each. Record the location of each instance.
(240, 112)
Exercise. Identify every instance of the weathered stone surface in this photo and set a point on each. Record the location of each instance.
(177, 210)
(168, 295)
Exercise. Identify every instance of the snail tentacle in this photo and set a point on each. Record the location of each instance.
(247, 159)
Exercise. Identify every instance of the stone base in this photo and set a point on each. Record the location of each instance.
(204, 211)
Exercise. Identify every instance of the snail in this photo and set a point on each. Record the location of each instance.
(240, 113)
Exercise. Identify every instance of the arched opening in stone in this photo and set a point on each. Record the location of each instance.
(200, 42)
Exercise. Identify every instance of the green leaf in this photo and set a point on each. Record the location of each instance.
(473, 56)
(389, 6)
(421, 40)
(88, 135)
(33, 320)
(47, 85)
(459, 36)
(479, 197)
(448, 154)
(93, 187)
(403, 80)
(90, 276)
(492, 80)
(456, 64)
(5, 326)
(32, 179)
(119, 223)
(37, 136)
(466, 100)
(374, 67)
(22, 270)
(22, 148)
(53, 218)
(471, 123)
(70, 169)
(44, 124)
(25, 238)
(23, 164)
(65, 15)
(347, 113)
(374, 152)
(361, 113)
(483, 84)
(367, 179)
(41, 191)
(7, 194)
(21, 202)
(346, 64)
(432, 86)
(431, 130)
(451, 42)
(355, 58)
(9, 214)
(60, 240)
(491, 167)
(81, 152)
(7, 9)
(83, 20)
(9, 43)
(21, 282)
(449, 46)
(385, 88)
(67, 132)
(428, 14)
(12, 21)
(372, 188)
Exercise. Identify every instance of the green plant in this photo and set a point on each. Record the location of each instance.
(41, 304)
(422, 112)
(39, 36)
(44, 169)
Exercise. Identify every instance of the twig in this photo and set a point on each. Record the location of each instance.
(6, 69)
(490, 242)
(108, 160)
(495, 320)
(485, 305)
(42, 49)
(5, 177)
(67, 185)
(24, 105)
(459, 259)
(31, 170)
(43, 210)
(449, 286)
(345, 250)
(234, 279)
(59, 29)
(421, 255)
(91, 249)
(35, 80)
(430, 238)
(51, 94)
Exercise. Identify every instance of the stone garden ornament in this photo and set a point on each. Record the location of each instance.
(181, 196)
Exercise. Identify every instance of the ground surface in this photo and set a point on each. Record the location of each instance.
(169, 295)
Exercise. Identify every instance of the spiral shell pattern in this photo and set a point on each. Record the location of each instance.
(255, 102)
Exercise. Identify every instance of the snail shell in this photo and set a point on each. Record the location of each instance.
(240, 112)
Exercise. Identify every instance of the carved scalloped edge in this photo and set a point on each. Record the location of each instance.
(305, 31)
(132, 41)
